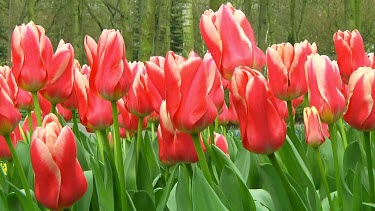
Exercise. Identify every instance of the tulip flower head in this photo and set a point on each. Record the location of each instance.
(314, 132)
(59, 178)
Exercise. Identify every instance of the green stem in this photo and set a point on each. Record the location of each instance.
(291, 120)
(166, 173)
(75, 125)
(324, 178)
(152, 131)
(128, 136)
(139, 138)
(37, 108)
(288, 188)
(118, 156)
(343, 133)
(100, 145)
(202, 158)
(30, 121)
(333, 134)
(212, 135)
(369, 165)
(21, 173)
(217, 124)
(53, 109)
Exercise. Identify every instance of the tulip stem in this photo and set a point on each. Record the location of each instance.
(139, 138)
(333, 134)
(30, 121)
(324, 178)
(201, 157)
(118, 156)
(37, 108)
(21, 173)
(369, 165)
(343, 133)
(100, 145)
(294, 137)
(217, 124)
(288, 188)
(53, 109)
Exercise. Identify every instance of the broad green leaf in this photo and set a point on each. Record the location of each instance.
(3, 200)
(243, 162)
(144, 181)
(143, 201)
(150, 155)
(166, 191)
(183, 190)
(171, 203)
(130, 167)
(263, 197)
(222, 159)
(84, 203)
(352, 156)
(235, 190)
(357, 189)
(204, 197)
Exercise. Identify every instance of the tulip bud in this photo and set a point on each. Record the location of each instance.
(313, 127)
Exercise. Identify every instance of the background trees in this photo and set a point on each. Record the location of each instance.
(152, 27)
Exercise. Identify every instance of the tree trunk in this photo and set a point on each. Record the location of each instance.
(358, 14)
(292, 35)
(199, 6)
(302, 20)
(30, 10)
(215, 4)
(127, 31)
(75, 30)
(147, 29)
(262, 26)
(177, 38)
(188, 27)
(163, 32)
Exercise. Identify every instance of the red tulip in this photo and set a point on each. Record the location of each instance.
(5, 153)
(262, 129)
(221, 142)
(286, 70)
(230, 39)
(372, 60)
(282, 107)
(138, 100)
(60, 74)
(155, 75)
(9, 115)
(325, 87)
(31, 54)
(127, 120)
(153, 117)
(174, 146)
(190, 108)
(65, 113)
(223, 117)
(350, 52)
(361, 114)
(216, 91)
(232, 115)
(59, 178)
(108, 61)
(314, 132)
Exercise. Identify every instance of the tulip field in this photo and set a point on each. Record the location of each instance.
(220, 131)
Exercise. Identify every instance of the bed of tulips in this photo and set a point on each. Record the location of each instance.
(156, 135)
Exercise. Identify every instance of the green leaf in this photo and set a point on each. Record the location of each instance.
(3, 200)
(130, 167)
(183, 190)
(166, 191)
(352, 156)
(242, 162)
(236, 191)
(145, 183)
(143, 201)
(104, 192)
(171, 203)
(357, 189)
(152, 160)
(263, 197)
(84, 203)
(204, 197)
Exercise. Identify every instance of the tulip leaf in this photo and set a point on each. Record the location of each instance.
(166, 191)
(130, 167)
(298, 171)
(242, 162)
(104, 196)
(3, 200)
(263, 198)
(183, 190)
(150, 155)
(84, 203)
(357, 189)
(171, 203)
(235, 190)
(145, 181)
(222, 160)
(142, 201)
(272, 183)
(352, 156)
(204, 197)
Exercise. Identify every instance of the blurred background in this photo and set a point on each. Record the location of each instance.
(152, 27)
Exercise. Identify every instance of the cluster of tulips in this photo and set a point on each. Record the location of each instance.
(116, 99)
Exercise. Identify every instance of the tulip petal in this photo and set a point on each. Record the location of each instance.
(277, 73)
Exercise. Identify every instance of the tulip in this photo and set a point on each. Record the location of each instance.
(9, 115)
(314, 132)
(216, 92)
(174, 146)
(155, 75)
(223, 117)
(232, 115)
(127, 120)
(31, 54)
(350, 52)
(5, 153)
(221, 142)
(185, 81)
(138, 101)
(60, 74)
(108, 61)
(286, 70)
(59, 178)
(65, 113)
(361, 113)
(262, 129)
(372, 60)
(324, 84)
(230, 39)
